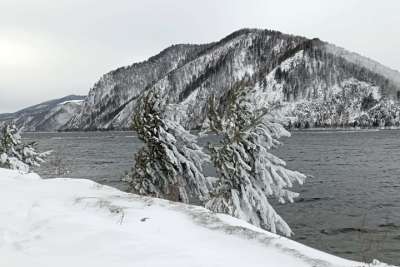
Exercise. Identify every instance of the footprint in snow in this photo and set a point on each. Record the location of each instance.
(144, 219)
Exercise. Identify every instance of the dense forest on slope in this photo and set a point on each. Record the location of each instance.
(314, 83)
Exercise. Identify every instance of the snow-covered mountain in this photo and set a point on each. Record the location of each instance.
(315, 83)
(47, 116)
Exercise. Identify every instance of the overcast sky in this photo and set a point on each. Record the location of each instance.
(53, 48)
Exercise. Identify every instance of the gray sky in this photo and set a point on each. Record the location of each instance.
(52, 48)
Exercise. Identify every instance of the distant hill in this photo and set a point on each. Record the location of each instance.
(316, 84)
(46, 116)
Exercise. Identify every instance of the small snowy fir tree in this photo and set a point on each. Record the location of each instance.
(248, 173)
(170, 163)
(14, 154)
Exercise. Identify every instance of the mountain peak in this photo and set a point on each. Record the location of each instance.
(302, 74)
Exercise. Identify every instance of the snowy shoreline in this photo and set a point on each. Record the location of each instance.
(66, 222)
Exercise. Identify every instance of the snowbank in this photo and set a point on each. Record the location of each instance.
(75, 222)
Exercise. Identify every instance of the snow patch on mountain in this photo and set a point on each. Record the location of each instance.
(78, 101)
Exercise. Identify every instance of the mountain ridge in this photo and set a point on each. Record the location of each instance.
(45, 116)
(317, 84)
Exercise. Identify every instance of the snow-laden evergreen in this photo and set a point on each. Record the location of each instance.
(248, 173)
(14, 154)
(170, 163)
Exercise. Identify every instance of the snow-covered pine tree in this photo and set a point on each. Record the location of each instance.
(170, 163)
(14, 154)
(248, 173)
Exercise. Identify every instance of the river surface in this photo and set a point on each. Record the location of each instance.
(350, 206)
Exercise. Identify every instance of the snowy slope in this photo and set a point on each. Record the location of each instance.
(48, 116)
(111, 100)
(73, 222)
(317, 83)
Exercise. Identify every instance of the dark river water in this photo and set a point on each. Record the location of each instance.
(350, 206)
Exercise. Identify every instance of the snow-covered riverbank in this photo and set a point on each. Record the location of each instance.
(75, 222)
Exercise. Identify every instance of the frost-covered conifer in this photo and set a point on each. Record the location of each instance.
(248, 173)
(170, 163)
(14, 154)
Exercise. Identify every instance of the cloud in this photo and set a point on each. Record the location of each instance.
(50, 48)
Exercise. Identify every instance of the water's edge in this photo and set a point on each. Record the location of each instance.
(350, 208)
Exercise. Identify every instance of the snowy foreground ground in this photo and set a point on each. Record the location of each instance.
(74, 222)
